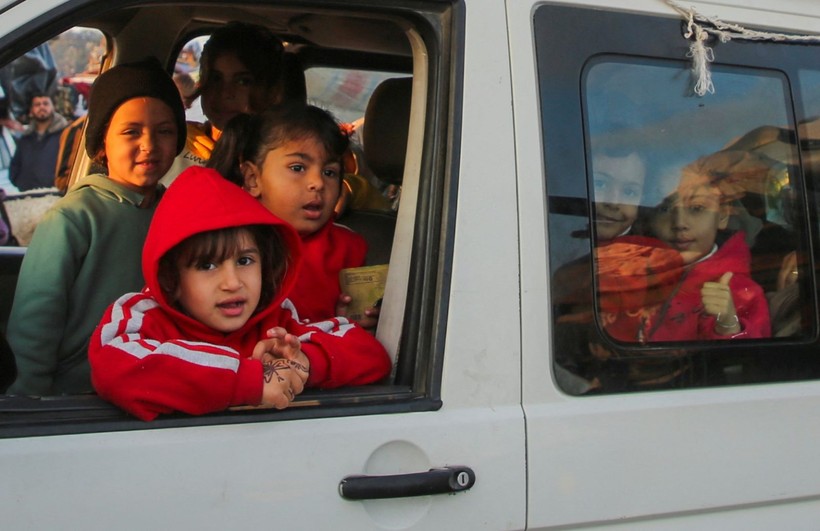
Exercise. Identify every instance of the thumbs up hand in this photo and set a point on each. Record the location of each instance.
(717, 300)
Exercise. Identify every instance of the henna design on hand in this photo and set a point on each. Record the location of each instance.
(271, 369)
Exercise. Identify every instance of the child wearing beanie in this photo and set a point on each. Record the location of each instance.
(86, 251)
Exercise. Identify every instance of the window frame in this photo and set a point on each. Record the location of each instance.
(566, 148)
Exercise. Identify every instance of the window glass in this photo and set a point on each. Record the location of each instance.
(343, 92)
(186, 77)
(693, 237)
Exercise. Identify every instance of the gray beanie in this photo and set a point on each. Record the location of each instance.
(114, 87)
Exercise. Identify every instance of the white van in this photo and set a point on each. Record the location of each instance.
(512, 404)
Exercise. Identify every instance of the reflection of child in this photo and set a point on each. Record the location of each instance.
(86, 250)
(618, 180)
(290, 158)
(716, 297)
(213, 329)
(617, 187)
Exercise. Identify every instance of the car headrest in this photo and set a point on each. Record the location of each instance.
(386, 122)
(292, 81)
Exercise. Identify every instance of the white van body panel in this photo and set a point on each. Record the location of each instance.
(730, 458)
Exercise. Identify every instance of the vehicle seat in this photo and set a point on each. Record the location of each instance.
(292, 82)
(386, 122)
(8, 365)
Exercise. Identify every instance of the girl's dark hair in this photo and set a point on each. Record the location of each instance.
(250, 137)
(255, 47)
(218, 245)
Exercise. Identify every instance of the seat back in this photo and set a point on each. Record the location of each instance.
(292, 81)
(386, 122)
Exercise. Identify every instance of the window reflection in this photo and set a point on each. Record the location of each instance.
(694, 230)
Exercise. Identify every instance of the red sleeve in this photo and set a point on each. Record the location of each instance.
(138, 364)
(340, 352)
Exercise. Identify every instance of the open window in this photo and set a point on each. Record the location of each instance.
(373, 45)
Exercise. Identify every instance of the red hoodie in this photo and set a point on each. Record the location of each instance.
(149, 358)
(681, 316)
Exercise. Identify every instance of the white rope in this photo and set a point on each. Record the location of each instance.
(698, 30)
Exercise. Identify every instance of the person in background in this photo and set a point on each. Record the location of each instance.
(243, 71)
(86, 250)
(35, 159)
(241, 66)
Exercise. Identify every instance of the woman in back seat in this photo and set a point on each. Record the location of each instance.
(241, 70)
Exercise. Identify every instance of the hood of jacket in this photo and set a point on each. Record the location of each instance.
(201, 200)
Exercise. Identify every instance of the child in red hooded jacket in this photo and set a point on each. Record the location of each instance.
(212, 328)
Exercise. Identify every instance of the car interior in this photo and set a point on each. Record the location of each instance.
(406, 53)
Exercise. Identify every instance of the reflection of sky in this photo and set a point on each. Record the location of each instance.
(810, 89)
(649, 108)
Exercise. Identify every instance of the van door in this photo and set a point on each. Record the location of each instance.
(74, 462)
(722, 434)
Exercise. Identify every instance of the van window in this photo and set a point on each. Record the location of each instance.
(63, 68)
(680, 249)
(406, 236)
(343, 92)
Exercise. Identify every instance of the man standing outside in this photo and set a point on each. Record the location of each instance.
(35, 160)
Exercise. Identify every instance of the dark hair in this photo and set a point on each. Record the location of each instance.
(255, 47)
(251, 137)
(39, 94)
(217, 246)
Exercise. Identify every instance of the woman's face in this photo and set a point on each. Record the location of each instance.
(231, 89)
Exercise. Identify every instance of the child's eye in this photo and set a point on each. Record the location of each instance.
(297, 167)
(599, 185)
(330, 172)
(205, 266)
(244, 81)
(245, 260)
(631, 192)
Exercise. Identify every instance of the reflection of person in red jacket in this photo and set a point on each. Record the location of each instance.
(213, 328)
(715, 297)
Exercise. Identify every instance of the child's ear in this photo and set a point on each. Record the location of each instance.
(723, 220)
(250, 174)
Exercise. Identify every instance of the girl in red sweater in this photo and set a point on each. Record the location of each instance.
(290, 159)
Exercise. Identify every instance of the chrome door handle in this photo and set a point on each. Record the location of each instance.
(445, 480)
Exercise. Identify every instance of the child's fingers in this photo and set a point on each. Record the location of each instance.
(342, 304)
(276, 332)
(716, 298)
(725, 278)
(262, 347)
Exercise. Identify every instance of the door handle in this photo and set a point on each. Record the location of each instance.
(446, 480)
